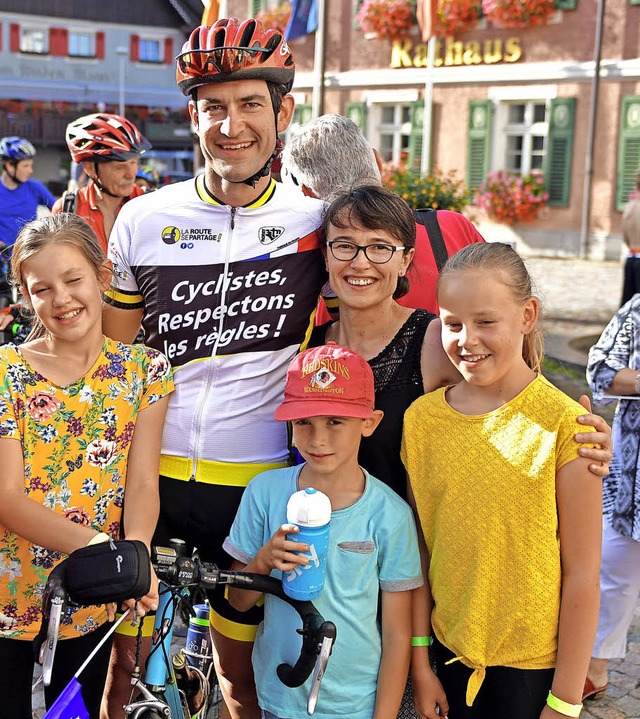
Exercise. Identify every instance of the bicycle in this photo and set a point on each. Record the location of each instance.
(159, 695)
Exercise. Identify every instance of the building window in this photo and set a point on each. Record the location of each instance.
(34, 41)
(150, 51)
(525, 128)
(82, 44)
(394, 131)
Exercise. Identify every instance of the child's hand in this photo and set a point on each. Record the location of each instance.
(428, 696)
(278, 552)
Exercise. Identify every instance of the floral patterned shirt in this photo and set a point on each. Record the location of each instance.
(75, 442)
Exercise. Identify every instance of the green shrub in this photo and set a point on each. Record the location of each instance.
(438, 190)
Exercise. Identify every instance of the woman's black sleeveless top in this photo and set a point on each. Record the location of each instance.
(398, 382)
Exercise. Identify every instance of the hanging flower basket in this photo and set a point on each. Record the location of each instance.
(275, 18)
(509, 198)
(518, 13)
(456, 16)
(386, 19)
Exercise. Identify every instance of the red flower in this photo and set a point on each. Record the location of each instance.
(510, 198)
(78, 515)
(455, 16)
(518, 13)
(388, 19)
(42, 405)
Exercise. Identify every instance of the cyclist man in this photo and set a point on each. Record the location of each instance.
(20, 196)
(109, 148)
(224, 272)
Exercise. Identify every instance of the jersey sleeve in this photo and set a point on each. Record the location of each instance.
(124, 293)
(399, 557)
(44, 197)
(158, 377)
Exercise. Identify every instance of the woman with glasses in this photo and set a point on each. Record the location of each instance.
(370, 237)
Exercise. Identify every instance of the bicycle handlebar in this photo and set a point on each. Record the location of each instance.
(318, 635)
(177, 571)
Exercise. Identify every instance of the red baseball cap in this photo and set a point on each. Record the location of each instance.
(327, 381)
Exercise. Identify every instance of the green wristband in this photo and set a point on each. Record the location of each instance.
(569, 710)
(421, 641)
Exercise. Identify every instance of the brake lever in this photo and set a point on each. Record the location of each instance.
(328, 632)
(57, 606)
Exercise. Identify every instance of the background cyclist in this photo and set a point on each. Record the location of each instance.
(20, 196)
(109, 148)
(211, 267)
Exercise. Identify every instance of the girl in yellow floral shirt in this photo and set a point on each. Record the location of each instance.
(80, 429)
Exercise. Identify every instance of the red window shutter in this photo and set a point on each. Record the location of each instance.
(168, 50)
(100, 45)
(58, 41)
(53, 41)
(14, 34)
(134, 48)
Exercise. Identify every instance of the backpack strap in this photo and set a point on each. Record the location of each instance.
(429, 218)
(69, 201)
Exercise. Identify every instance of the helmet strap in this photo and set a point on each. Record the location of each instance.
(276, 102)
(14, 177)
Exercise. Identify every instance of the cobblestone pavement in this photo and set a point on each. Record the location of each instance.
(579, 298)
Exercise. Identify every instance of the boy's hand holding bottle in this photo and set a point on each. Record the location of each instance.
(280, 553)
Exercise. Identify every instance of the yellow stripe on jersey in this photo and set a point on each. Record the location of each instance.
(126, 299)
(230, 474)
(206, 196)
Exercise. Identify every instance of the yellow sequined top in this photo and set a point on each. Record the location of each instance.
(484, 487)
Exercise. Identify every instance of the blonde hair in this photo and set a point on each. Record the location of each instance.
(503, 262)
(64, 227)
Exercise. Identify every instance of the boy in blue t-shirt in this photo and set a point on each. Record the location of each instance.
(373, 555)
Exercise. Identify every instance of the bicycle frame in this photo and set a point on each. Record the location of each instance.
(159, 695)
(159, 684)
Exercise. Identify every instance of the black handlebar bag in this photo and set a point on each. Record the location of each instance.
(108, 572)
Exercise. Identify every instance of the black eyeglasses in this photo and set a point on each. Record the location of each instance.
(378, 253)
(222, 59)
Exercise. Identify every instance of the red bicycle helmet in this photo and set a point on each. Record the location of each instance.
(105, 138)
(233, 50)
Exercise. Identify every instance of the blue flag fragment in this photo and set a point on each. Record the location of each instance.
(303, 20)
(70, 704)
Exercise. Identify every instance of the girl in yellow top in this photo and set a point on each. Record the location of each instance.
(509, 512)
(80, 428)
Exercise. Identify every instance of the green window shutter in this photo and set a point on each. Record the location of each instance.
(256, 6)
(302, 114)
(417, 136)
(558, 163)
(357, 111)
(479, 142)
(566, 4)
(628, 149)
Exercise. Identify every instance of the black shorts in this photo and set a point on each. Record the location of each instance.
(201, 515)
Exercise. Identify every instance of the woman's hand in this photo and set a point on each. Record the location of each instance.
(428, 696)
(144, 605)
(602, 454)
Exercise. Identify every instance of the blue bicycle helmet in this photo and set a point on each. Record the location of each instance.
(16, 149)
(149, 174)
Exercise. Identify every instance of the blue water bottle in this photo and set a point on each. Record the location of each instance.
(309, 510)
(198, 644)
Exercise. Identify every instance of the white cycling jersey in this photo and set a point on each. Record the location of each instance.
(229, 296)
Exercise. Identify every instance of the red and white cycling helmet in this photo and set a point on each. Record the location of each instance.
(233, 50)
(102, 137)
